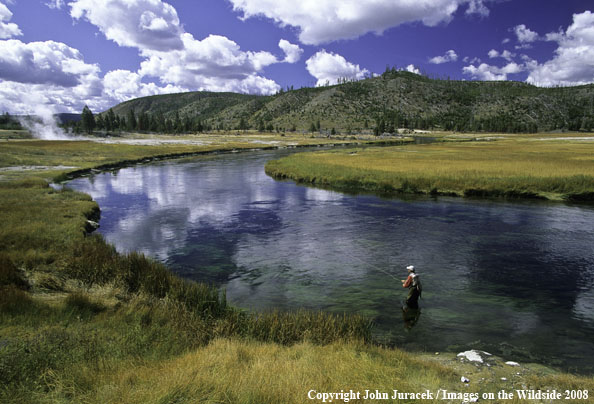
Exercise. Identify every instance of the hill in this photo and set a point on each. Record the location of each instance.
(396, 99)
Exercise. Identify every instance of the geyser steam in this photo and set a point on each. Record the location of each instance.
(43, 125)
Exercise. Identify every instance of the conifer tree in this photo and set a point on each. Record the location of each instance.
(87, 120)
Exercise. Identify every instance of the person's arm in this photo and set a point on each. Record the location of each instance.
(407, 283)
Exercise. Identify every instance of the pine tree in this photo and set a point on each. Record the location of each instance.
(87, 120)
(112, 120)
(131, 121)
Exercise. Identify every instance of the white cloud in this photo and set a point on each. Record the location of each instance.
(122, 85)
(215, 63)
(524, 34)
(492, 73)
(43, 63)
(505, 40)
(554, 36)
(477, 7)
(7, 29)
(449, 56)
(507, 55)
(573, 63)
(174, 56)
(472, 61)
(325, 21)
(329, 67)
(55, 4)
(144, 24)
(55, 74)
(292, 52)
(412, 69)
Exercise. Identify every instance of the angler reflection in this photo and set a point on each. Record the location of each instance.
(410, 316)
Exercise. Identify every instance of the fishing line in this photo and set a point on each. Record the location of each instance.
(369, 264)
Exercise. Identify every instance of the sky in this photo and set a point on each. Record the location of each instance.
(60, 55)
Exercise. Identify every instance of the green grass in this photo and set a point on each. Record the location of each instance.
(81, 323)
(524, 167)
(49, 159)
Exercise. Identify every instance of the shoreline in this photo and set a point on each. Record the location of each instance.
(94, 319)
(391, 173)
(70, 175)
(129, 163)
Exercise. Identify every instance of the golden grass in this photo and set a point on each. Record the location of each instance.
(236, 371)
(46, 159)
(96, 327)
(524, 167)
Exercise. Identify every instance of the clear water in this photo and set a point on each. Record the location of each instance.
(515, 279)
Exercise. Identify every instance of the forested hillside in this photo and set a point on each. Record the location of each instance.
(396, 99)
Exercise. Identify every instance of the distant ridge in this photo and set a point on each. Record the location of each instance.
(396, 99)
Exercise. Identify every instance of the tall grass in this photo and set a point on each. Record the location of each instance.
(71, 306)
(81, 323)
(509, 168)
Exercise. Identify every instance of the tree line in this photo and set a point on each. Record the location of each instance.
(142, 122)
(460, 120)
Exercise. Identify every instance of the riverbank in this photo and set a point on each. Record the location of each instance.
(549, 167)
(81, 323)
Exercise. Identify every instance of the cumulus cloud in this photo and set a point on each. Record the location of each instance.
(492, 73)
(329, 20)
(477, 7)
(7, 29)
(292, 52)
(329, 67)
(122, 85)
(46, 62)
(573, 63)
(524, 34)
(175, 57)
(53, 73)
(507, 55)
(412, 69)
(144, 24)
(449, 56)
(215, 63)
(55, 4)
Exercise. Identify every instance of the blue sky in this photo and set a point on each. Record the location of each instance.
(63, 54)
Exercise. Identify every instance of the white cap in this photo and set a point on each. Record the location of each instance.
(410, 268)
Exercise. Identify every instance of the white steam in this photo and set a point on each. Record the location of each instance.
(43, 125)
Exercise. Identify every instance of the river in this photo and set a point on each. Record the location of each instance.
(512, 278)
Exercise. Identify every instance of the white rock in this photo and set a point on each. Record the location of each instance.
(472, 356)
(464, 379)
(510, 363)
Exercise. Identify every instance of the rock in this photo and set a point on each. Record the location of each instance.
(91, 226)
(473, 355)
(464, 379)
(510, 363)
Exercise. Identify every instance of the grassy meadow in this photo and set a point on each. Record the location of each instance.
(538, 166)
(80, 323)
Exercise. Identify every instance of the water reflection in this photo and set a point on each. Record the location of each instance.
(513, 278)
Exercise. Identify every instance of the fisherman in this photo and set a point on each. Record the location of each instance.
(413, 284)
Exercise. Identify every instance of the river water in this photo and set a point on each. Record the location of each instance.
(515, 279)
